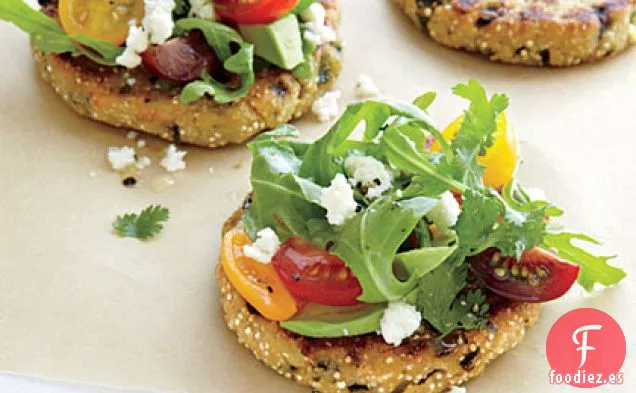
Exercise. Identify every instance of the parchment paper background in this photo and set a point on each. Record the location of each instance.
(80, 304)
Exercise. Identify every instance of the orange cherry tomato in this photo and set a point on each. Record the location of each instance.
(102, 19)
(257, 282)
(500, 159)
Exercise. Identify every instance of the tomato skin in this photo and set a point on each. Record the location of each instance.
(539, 276)
(500, 159)
(258, 283)
(253, 12)
(107, 20)
(181, 59)
(313, 275)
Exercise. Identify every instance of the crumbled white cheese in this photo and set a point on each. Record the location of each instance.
(365, 88)
(136, 43)
(173, 160)
(368, 173)
(121, 157)
(143, 162)
(131, 135)
(536, 194)
(338, 200)
(326, 107)
(399, 321)
(314, 13)
(319, 33)
(157, 20)
(457, 389)
(265, 246)
(444, 214)
(202, 9)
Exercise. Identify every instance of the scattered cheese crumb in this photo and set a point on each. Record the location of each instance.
(457, 389)
(121, 157)
(369, 173)
(319, 33)
(399, 321)
(338, 200)
(365, 88)
(211, 170)
(157, 20)
(143, 162)
(314, 13)
(136, 43)
(92, 174)
(131, 135)
(265, 246)
(173, 160)
(202, 9)
(326, 107)
(444, 214)
(536, 194)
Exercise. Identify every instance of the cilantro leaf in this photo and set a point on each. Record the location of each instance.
(222, 39)
(47, 34)
(475, 133)
(144, 225)
(594, 269)
(441, 304)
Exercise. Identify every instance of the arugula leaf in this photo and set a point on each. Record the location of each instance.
(442, 306)
(48, 35)
(594, 269)
(425, 100)
(222, 39)
(143, 225)
(369, 241)
(323, 159)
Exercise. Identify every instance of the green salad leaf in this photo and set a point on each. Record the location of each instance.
(47, 34)
(144, 225)
(594, 269)
(222, 39)
(389, 244)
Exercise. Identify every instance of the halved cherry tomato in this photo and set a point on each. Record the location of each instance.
(181, 59)
(500, 159)
(312, 274)
(538, 277)
(106, 20)
(253, 12)
(257, 282)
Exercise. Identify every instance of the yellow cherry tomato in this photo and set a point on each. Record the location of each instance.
(500, 159)
(257, 282)
(102, 19)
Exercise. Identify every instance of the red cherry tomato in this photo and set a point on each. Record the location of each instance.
(253, 12)
(313, 275)
(538, 277)
(181, 59)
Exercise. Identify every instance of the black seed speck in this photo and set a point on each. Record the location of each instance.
(377, 181)
(358, 209)
(358, 388)
(467, 361)
(296, 277)
(129, 181)
(545, 56)
(329, 245)
(279, 89)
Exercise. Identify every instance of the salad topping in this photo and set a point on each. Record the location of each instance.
(180, 40)
(404, 223)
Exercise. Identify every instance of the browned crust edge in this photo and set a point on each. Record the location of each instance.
(367, 363)
(536, 34)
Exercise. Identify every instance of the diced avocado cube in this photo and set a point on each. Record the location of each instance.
(280, 42)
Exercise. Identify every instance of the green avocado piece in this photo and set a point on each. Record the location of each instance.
(280, 42)
(331, 322)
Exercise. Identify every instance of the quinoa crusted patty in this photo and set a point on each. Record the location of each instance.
(134, 99)
(538, 33)
(367, 363)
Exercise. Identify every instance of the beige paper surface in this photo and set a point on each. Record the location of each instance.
(78, 303)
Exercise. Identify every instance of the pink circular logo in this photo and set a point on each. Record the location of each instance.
(586, 348)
